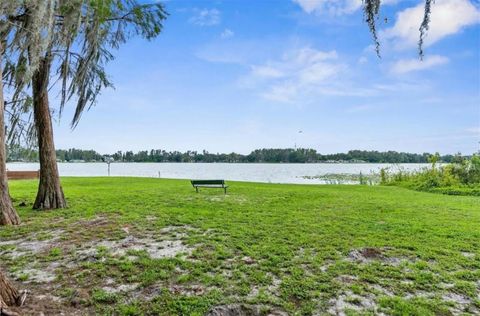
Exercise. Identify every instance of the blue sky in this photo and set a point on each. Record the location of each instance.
(236, 75)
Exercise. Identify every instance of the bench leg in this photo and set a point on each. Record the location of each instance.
(225, 190)
(196, 189)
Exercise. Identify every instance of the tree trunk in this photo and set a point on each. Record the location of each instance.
(50, 193)
(9, 296)
(8, 215)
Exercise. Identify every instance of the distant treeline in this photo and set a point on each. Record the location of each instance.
(287, 155)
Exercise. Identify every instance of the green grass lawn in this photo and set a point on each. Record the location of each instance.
(153, 246)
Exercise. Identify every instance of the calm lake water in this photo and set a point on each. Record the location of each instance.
(274, 173)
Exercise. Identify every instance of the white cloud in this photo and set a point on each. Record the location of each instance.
(362, 60)
(335, 7)
(296, 74)
(227, 33)
(473, 130)
(206, 17)
(267, 72)
(448, 17)
(284, 92)
(407, 65)
(331, 7)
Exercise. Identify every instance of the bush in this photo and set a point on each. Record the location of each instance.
(461, 177)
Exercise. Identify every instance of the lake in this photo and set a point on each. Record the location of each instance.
(253, 172)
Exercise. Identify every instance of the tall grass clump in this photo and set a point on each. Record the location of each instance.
(461, 177)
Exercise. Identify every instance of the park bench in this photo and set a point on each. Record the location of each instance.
(22, 175)
(209, 184)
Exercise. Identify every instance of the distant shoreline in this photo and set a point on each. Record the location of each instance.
(265, 155)
(227, 163)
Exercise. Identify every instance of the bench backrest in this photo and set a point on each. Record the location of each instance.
(19, 175)
(208, 182)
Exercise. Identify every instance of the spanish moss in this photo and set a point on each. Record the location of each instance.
(370, 10)
(424, 26)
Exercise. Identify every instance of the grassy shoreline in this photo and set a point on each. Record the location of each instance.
(136, 246)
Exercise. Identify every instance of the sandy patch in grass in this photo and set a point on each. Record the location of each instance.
(48, 297)
(370, 254)
(122, 288)
(155, 249)
(346, 279)
(422, 294)
(350, 301)
(245, 310)
(381, 290)
(469, 255)
(462, 303)
(272, 288)
(275, 285)
(49, 255)
(43, 275)
(31, 244)
(188, 290)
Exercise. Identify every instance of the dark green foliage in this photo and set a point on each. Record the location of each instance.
(461, 177)
(112, 23)
(78, 38)
(271, 155)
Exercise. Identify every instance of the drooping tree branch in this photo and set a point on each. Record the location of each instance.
(370, 11)
(424, 27)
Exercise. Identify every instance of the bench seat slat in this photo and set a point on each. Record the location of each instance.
(208, 182)
(220, 184)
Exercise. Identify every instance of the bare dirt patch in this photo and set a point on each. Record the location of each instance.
(32, 244)
(248, 260)
(275, 285)
(461, 302)
(43, 275)
(49, 255)
(423, 294)
(122, 288)
(40, 301)
(350, 301)
(163, 243)
(381, 290)
(365, 254)
(369, 254)
(188, 290)
(469, 255)
(346, 279)
(245, 310)
(272, 288)
(155, 249)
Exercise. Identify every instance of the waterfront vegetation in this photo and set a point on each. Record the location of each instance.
(160, 248)
(371, 178)
(461, 177)
(270, 155)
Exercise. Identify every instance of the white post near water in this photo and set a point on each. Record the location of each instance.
(109, 160)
